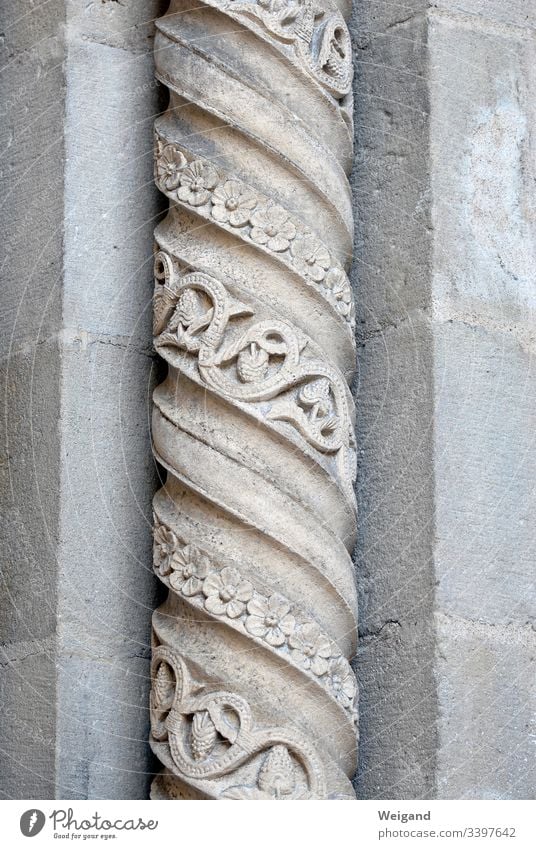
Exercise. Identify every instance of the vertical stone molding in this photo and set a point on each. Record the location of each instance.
(77, 100)
(445, 247)
(253, 696)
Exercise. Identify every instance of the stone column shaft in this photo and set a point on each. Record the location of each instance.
(253, 696)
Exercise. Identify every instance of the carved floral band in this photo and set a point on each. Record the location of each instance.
(232, 205)
(270, 619)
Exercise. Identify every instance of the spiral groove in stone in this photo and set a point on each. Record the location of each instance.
(253, 696)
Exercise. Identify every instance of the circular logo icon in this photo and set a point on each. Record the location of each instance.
(31, 822)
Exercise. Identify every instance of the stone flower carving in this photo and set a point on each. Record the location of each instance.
(252, 363)
(311, 257)
(272, 227)
(270, 619)
(197, 182)
(192, 572)
(276, 775)
(232, 203)
(316, 397)
(338, 284)
(190, 568)
(342, 681)
(203, 735)
(310, 648)
(165, 544)
(276, 779)
(169, 166)
(227, 593)
(190, 318)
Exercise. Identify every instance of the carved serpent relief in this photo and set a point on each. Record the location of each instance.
(253, 696)
(210, 733)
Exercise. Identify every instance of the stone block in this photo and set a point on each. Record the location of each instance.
(445, 401)
(108, 475)
(31, 170)
(77, 474)
(395, 574)
(110, 204)
(484, 209)
(127, 26)
(395, 479)
(486, 686)
(28, 720)
(29, 492)
(390, 179)
(515, 13)
(103, 725)
(397, 755)
(106, 586)
(484, 469)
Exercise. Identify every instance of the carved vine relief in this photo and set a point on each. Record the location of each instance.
(253, 694)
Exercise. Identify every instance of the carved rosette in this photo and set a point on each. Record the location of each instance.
(253, 696)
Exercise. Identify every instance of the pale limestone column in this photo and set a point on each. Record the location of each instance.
(253, 695)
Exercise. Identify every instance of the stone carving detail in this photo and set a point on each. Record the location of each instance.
(267, 361)
(253, 696)
(233, 205)
(271, 619)
(317, 33)
(210, 734)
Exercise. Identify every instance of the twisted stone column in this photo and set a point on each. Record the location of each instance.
(253, 696)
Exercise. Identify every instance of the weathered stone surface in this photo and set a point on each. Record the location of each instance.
(27, 693)
(390, 179)
(485, 498)
(484, 455)
(445, 299)
(105, 714)
(77, 219)
(31, 98)
(253, 696)
(107, 589)
(484, 210)
(395, 663)
(392, 268)
(486, 685)
(517, 13)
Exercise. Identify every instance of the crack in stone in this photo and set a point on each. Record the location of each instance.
(367, 634)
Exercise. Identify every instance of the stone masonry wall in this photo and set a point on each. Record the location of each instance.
(445, 284)
(77, 220)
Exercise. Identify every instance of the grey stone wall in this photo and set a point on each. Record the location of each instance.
(393, 261)
(77, 217)
(484, 300)
(31, 92)
(445, 288)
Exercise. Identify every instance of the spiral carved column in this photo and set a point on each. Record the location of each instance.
(253, 696)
